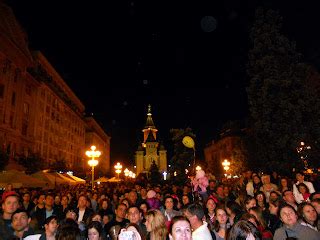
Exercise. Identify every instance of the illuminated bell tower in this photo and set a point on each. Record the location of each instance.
(148, 151)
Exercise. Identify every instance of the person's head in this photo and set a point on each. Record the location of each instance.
(265, 179)
(256, 179)
(10, 203)
(125, 201)
(316, 203)
(57, 200)
(9, 187)
(284, 182)
(51, 225)
(41, 199)
(249, 202)
(26, 197)
(233, 208)
(302, 188)
(95, 217)
(219, 190)
(274, 207)
(94, 230)
(288, 197)
(244, 230)
(185, 199)
(134, 215)
(315, 195)
(180, 228)
(49, 200)
(194, 213)
(308, 213)
(69, 230)
(274, 195)
(120, 211)
(144, 207)
(300, 176)
(260, 197)
(210, 205)
(168, 202)
(132, 197)
(221, 215)
(64, 200)
(251, 218)
(156, 224)
(288, 215)
(258, 213)
(20, 220)
(71, 215)
(82, 201)
(104, 204)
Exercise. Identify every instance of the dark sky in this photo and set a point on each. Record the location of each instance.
(119, 56)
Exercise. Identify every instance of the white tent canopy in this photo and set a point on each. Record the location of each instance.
(19, 179)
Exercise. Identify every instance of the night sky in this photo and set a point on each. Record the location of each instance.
(185, 58)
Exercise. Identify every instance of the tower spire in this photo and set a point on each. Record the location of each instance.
(150, 130)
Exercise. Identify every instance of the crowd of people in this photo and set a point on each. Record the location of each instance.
(253, 206)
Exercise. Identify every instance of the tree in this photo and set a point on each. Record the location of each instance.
(59, 165)
(155, 175)
(183, 157)
(4, 159)
(282, 107)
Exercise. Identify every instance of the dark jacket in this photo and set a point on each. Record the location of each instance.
(40, 216)
(87, 213)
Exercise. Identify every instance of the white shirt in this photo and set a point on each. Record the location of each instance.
(81, 213)
(202, 233)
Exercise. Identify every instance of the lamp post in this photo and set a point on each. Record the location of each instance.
(226, 165)
(126, 173)
(118, 168)
(93, 162)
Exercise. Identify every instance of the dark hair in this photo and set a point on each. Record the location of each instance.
(176, 219)
(301, 215)
(242, 229)
(312, 195)
(234, 207)
(69, 230)
(96, 225)
(49, 219)
(303, 185)
(20, 210)
(195, 209)
(247, 216)
(216, 223)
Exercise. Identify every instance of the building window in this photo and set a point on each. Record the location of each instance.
(24, 128)
(1, 90)
(13, 99)
(26, 110)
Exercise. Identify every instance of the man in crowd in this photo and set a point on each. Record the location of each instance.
(194, 213)
(288, 197)
(82, 211)
(27, 204)
(20, 221)
(119, 219)
(135, 216)
(10, 203)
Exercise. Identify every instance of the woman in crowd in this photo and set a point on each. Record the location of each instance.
(105, 207)
(262, 223)
(261, 200)
(284, 184)
(64, 206)
(144, 207)
(292, 228)
(156, 225)
(210, 213)
(222, 224)
(274, 219)
(94, 231)
(234, 211)
(169, 210)
(308, 215)
(253, 186)
(249, 202)
(180, 228)
(132, 230)
(305, 194)
(244, 230)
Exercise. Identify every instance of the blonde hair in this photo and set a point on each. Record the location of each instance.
(158, 226)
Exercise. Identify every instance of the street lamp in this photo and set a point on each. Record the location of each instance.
(118, 168)
(226, 165)
(93, 162)
(126, 173)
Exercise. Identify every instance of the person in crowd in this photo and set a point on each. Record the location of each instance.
(261, 200)
(119, 219)
(316, 203)
(314, 195)
(41, 214)
(244, 230)
(292, 228)
(250, 218)
(156, 225)
(234, 211)
(57, 203)
(300, 179)
(219, 193)
(50, 226)
(64, 206)
(180, 228)
(275, 178)
(10, 203)
(210, 213)
(274, 218)
(253, 186)
(289, 198)
(133, 198)
(308, 215)
(95, 231)
(267, 186)
(284, 185)
(152, 200)
(41, 202)
(20, 221)
(222, 225)
(144, 207)
(185, 199)
(82, 211)
(133, 230)
(249, 202)
(94, 217)
(27, 204)
(304, 193)
(169, 212)
(68, 230)
(262, 222)
(194, 213)
(134, 214)
(105, 207)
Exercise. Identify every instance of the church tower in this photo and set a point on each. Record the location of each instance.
(150, 150)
